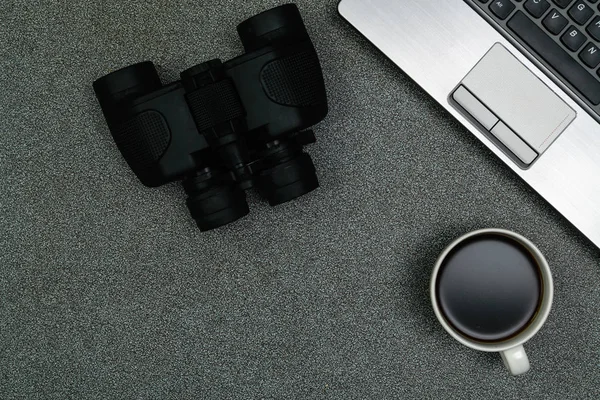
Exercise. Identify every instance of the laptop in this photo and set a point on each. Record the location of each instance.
(522, 75)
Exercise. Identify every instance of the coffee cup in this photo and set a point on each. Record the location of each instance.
(492, 291)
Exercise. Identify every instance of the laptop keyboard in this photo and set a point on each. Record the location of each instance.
(564, 35)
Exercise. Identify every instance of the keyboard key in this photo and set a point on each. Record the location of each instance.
(594, 29)
(563, 3)
(555, 56)
(555, 22)
(502, 8)
(590, 55)
(581, 12)
(573, 39)
(537, 8)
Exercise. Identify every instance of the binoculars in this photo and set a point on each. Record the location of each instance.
(225, 127)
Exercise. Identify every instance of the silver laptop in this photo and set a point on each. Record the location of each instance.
(522, 75)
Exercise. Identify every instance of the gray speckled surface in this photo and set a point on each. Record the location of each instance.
(108, 290)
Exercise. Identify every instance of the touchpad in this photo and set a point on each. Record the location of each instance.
(515, 108)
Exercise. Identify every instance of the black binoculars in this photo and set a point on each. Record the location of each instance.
(225, 127)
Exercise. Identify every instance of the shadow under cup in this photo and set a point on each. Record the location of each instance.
(490, 287)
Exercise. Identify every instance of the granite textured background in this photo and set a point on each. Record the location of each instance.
(108, 290)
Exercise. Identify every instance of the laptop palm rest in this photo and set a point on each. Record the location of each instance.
(515, 109)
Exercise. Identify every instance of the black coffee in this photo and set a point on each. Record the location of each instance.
(489, 287)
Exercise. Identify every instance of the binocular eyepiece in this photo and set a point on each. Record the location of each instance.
(225, 127)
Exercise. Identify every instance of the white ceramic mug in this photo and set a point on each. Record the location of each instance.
(511, 350)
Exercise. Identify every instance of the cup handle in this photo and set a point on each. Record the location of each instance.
(515, 360)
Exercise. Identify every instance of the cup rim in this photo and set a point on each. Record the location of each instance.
(539, 318)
